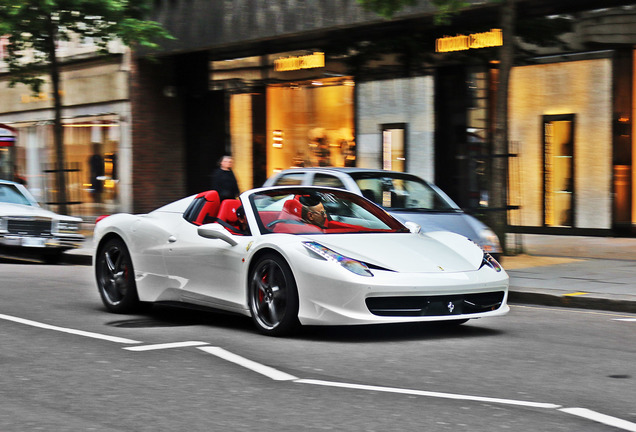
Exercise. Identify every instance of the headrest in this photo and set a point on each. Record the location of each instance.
(292, 208)
(227, 212)
(210, 207)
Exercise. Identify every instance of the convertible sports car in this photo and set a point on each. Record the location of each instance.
(288, 256)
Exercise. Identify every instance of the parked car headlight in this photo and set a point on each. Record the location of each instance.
(350, 264)
(489, 240)
(64, 227)
(4, 224)
(490, 262)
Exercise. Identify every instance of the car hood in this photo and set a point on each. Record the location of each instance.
(19, 210)
(409, 253)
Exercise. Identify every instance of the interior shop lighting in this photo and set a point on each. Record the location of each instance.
(278, 139)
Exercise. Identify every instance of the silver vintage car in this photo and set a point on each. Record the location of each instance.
(26, 229)
(405, 196)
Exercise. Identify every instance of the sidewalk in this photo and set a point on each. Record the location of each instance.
(583, 272)
(568, 271)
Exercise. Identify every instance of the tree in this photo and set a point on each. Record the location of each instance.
(498, 175)
(34, 28)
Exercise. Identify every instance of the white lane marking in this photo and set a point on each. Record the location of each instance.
(249, 364)
(625, 319)
(601, 418)
(68, 330)
(428, 393)
(282, 376)
(165, 346)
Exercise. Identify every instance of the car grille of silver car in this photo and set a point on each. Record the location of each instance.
(435, 305)
(29, 226)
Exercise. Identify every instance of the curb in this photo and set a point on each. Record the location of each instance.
(609, 302)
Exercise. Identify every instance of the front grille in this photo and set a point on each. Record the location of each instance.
(30, 227)
(435, 305)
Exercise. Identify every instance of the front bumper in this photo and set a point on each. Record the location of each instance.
(57, 242)
(330, 295)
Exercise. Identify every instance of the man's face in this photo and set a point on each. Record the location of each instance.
(317, 215)
(226, 163)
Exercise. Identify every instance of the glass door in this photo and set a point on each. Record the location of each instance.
(558, 170)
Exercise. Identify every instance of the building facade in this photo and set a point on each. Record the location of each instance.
(283, 85)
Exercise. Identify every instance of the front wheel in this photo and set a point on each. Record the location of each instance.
(273, 297)
(116, 277)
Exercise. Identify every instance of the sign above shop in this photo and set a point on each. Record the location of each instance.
(310, 61)
(492, 38)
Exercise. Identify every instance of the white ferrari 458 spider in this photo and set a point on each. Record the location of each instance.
(288, 256)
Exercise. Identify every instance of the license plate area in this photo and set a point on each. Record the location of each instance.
(37, 242)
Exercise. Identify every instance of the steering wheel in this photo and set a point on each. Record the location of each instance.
(290, 221)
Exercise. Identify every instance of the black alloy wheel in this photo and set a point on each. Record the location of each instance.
(116, 277)
(273, 297)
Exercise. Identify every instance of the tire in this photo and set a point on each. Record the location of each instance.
(273, 296)
(116, 277)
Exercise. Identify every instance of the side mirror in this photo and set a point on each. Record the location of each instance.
(216, 231)
(413, 227)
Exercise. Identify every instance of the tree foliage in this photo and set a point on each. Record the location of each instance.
(34, 27)
(387, 8)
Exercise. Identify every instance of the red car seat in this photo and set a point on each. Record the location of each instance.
(210, 208)
(292, 209)
(227, 212)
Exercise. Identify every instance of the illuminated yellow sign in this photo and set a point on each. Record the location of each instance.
(315, 60)
(492, 38)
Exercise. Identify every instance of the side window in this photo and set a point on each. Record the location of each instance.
(291, 179)
(328, 180)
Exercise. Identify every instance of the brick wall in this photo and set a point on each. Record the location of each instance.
(158, 167)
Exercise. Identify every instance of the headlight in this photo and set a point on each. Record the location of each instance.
(325, 253)
(489, 240)
(3, 224)
(490, 262)
(64, 227)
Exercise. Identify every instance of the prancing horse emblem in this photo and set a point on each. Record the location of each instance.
(450, 307)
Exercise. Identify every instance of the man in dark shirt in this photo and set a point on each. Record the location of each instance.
(223, 180)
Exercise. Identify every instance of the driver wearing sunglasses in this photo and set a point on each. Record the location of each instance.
(313, 211)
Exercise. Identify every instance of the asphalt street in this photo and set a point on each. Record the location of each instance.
(68, 364)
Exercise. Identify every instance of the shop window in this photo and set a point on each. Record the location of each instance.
(558, 173)
(394, 147)
(310, 123)
(328, 181)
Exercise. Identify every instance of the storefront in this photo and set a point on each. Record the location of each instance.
(96, 138)
(303, 109)
(287, 110)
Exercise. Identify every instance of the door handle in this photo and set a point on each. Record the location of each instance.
(172, 239)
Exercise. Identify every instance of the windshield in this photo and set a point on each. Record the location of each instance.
(10, 194)
(396, 191)
(319, 211)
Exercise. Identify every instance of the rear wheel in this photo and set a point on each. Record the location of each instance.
(273, 297)
(116, 277)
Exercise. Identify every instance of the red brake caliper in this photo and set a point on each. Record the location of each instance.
(261, 294)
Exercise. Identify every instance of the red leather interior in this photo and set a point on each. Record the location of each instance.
(227, 212)
(210, 208)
